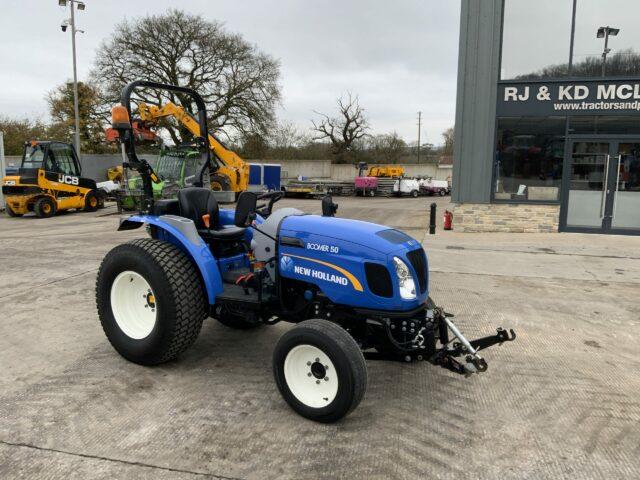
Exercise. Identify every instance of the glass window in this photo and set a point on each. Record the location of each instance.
(63, 160)
(529, 156)
(33, 157)
(623, 58)
(169, 167)
(609, 125)
(191, 167)
(536, 38)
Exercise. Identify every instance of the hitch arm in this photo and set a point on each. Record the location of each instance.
(474, 363)
(499, 338)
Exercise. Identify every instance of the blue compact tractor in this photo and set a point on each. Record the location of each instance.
(353, 289)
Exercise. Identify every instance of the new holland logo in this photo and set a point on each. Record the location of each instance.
(327, 277)
(286, 263)
(345, 277)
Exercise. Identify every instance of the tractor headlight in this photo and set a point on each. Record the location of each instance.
(405, 279)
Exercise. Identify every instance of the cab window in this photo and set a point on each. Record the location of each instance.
(63, 159)
(33, 157)
(191, 169)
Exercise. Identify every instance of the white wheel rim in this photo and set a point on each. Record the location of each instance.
(304, 367)
(134, 304)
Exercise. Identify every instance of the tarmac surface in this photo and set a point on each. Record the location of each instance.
(562, 401)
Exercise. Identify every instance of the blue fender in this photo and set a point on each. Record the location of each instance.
(199, 252)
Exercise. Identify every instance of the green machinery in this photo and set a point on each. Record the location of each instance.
(176, 167)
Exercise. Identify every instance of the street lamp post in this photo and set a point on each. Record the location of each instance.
(604, 32)
(71, 22)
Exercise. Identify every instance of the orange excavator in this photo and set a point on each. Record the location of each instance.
(230, 172)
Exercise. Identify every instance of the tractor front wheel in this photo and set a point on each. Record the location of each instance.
(320, 370)
(150, 300)
(45, 207)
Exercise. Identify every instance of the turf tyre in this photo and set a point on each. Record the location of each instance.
(179, 296)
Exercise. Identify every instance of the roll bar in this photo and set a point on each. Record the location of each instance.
(145, 170)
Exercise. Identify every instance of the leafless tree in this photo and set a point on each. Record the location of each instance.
(238, 82)
(447, 135)
(286, 135)
(344, 129)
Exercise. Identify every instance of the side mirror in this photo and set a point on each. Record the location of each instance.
(245, 209)
(329, 208)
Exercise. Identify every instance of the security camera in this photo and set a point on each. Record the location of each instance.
(64, 25)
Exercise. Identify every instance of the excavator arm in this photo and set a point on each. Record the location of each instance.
(232, 173)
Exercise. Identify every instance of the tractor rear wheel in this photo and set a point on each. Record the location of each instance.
(11, 213)
(91, 202)
(45, 207)
(151, 301)
(320, 370)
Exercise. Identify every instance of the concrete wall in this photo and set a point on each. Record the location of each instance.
(478, 71)
(95, 166)
(324, 169)
(307, 168)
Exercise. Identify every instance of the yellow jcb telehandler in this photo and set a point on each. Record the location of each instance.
(49, 180)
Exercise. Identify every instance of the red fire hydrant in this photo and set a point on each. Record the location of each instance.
(448, 220)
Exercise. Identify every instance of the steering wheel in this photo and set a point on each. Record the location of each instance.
(273, 197)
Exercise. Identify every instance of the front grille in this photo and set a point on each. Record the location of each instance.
(419, 263)
(378, 279)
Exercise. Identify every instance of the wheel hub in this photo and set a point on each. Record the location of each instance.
(311, 376)
(151, 300)
(318, 370)
(133, 304)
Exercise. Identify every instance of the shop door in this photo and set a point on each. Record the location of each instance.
(625, 214)
(604, 187)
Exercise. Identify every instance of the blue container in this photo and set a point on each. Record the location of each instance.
(271, 177)
(255, 174)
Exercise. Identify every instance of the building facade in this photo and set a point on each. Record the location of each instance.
(547, 134)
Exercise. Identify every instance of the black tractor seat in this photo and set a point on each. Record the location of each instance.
(225, 233)
(194, 203)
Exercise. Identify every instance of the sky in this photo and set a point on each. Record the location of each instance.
(534, 39)
(399, 57)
